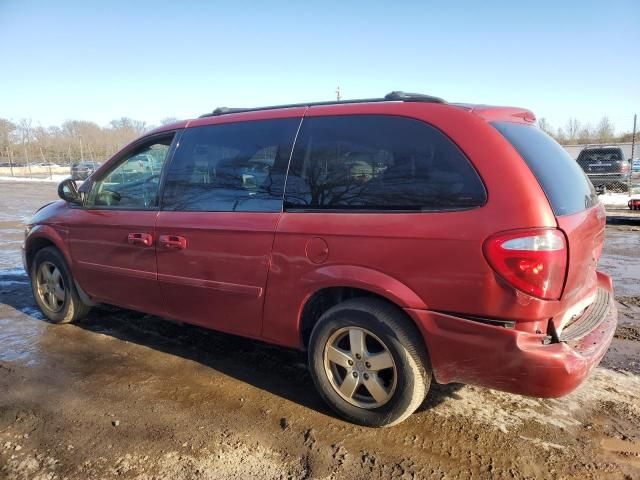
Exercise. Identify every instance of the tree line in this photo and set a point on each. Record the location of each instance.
(24, 142)
(575, 132)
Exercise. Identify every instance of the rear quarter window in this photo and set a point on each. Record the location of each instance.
(379, 163)
(566, 186)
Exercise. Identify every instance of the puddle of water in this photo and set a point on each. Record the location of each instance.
(20, 337)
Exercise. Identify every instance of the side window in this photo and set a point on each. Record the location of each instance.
(379, 162)
(231, 167)
(133, 183)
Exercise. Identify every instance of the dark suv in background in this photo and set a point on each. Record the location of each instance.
(606, 167)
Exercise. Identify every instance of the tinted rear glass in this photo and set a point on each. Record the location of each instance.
(601, 155)
(563, 181)
(378, 162)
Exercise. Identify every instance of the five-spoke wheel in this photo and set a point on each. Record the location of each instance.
(50, 286)
(53, 287)
(360, 367)
(369, 362)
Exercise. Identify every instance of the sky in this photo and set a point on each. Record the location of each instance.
(149, 60)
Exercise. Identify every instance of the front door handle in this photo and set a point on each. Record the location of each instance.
(172, 242)
(144, 239)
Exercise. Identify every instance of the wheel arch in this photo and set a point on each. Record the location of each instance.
(40, 237)
(336, 284)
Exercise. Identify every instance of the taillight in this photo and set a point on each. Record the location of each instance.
(533, 261)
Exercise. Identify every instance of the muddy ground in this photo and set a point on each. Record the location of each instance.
(125, 395)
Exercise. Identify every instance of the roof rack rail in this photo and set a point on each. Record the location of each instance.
(395, 96)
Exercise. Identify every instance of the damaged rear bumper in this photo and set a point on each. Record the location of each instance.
(466, 351)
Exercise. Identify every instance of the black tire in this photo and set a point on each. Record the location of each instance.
(72, 308)
(402, 340)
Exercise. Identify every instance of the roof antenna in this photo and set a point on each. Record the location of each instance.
(338, 93)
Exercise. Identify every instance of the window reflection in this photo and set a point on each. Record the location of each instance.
(231, 167)
(133, 183)
(379, 162)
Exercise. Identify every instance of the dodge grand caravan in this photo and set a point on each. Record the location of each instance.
(399, 241)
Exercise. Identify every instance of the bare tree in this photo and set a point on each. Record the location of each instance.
(585, 134)
(545, 126)
(561, 137)
(25, 131)
(572, 130)
(6, 130)
(168, 120)
(604, 132)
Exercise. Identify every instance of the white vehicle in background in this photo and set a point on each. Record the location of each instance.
(635, 170)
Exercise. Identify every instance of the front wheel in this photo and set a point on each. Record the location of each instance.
(53, 288)
(368, 362)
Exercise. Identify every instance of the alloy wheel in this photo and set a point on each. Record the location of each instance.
(360, 367)
(50, 286)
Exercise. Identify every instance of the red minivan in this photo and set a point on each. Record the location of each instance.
(398, 240)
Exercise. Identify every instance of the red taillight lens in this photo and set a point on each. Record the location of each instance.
(534, 261)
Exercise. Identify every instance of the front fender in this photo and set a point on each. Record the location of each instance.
(57, 236)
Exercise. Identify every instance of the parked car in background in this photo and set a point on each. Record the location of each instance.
(82, 170)
(606, 167)
(399, 241)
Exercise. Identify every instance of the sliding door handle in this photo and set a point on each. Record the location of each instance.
(144, 239)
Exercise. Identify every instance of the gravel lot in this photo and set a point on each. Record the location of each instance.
(126, 395)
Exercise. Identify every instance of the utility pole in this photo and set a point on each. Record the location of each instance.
(633, 137)
(633, 147)
(338, 93)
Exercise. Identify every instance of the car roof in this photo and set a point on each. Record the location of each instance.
(489, 113)
(601, 147)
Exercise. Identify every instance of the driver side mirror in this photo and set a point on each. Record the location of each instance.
(68, 191)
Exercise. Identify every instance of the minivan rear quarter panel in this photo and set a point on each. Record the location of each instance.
(437, 255)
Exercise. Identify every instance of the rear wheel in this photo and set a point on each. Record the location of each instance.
(368, 362)
(54, 289)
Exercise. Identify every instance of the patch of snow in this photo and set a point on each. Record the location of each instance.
(543, 444)
(505, 412)
(6, 283)
(32, 312)
(14, 272)
(615, 199)
(56, 178)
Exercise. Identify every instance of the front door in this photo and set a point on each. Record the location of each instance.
(112, 237)
(222, 201)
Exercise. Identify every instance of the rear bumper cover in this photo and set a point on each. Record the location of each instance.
(609, 178)
(466, 351)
